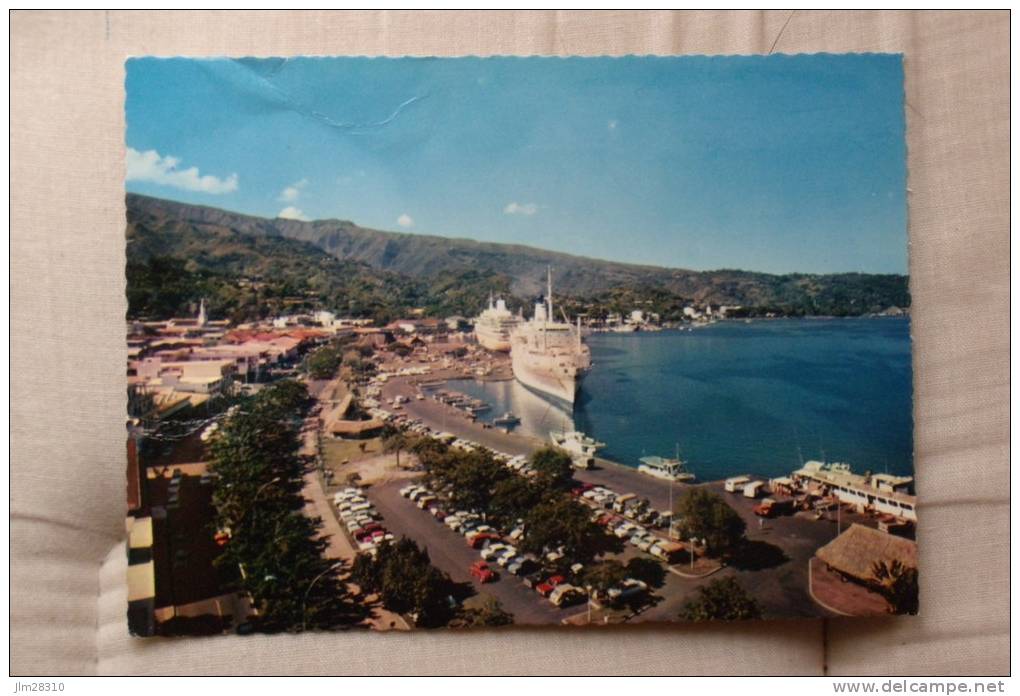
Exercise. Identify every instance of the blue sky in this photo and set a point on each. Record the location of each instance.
(777, 164)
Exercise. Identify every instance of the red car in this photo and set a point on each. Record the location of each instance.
(478, 540)
(481, 571)
(546, 588)
(580, 488)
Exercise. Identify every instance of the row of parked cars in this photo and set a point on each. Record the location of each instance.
(628, 505)
(361, 518)
(606, 513)
(498, 551)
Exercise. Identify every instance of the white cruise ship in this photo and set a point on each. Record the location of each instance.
(549, 356)
(492, 327)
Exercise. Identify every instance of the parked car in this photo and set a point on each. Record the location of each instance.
(505, 557)
(523, 565)
(545, 588)
(566, 594)
(481, 571)
(626, 589)
(477, 541)
(490, 551)
(533, 579)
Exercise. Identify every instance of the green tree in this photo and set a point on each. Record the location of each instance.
(602, 576)
(563, 522)
(554, 468)
(705, 515)
(898, 584)
(257, 496)
(512, 499)
(648, 570)
(473, 480)
(407, 583)
(486, 612)
(395, 441)
(723, 600)
(323, 363)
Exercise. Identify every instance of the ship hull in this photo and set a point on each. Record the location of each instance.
(499, 343)
(544, 380)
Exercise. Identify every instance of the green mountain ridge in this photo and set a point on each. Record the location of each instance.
(420, 270)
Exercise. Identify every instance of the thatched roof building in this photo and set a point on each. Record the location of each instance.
(855, 552)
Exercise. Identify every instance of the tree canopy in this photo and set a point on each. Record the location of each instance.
(562, 522)
(705, 515)
(723, 600)
(554, 466)
(257, 497)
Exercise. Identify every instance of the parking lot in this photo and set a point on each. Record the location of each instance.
(773, 566)
(450, 553)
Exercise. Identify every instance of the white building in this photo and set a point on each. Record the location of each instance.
(882, 493)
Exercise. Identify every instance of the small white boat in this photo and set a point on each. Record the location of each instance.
(668, 469)
(580, 447)
(507, 418)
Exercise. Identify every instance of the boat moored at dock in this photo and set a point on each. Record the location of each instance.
(581, 448)
(667, 469)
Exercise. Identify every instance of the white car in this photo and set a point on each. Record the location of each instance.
(490, 551)
(505, 557)
(628, 588)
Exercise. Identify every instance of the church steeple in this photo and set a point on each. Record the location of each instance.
(201, 313)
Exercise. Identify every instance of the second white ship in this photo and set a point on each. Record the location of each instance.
(493, 326)
(549, 356)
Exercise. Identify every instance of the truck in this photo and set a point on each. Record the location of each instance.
(736, 484)
(752, 489)
(666, 550)
(771, 507)
(620, 504)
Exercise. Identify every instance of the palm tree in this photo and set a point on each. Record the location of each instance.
(898, 584)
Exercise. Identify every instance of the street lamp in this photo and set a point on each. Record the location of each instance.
(304, 601)
(264, 486)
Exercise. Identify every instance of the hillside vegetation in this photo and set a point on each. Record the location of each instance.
(250, 267)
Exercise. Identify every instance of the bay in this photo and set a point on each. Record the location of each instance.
(738, 398)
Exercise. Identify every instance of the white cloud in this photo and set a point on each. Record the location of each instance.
(293, 192)
(292, 213)
(151, 166)
(405, 220)
(516, 208)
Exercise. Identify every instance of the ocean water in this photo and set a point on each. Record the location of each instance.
(738, 397)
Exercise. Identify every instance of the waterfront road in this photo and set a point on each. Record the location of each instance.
(774, 568)
(441, 417)
(450, 553)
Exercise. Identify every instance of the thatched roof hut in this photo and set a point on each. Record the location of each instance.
(855, 552)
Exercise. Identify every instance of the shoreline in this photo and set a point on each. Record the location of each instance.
(611, 474)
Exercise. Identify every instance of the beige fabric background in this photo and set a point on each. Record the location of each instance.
(68, 353)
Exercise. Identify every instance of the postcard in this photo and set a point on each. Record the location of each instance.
(471, 342)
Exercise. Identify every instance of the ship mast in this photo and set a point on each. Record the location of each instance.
(548, 308)
(548, 293)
